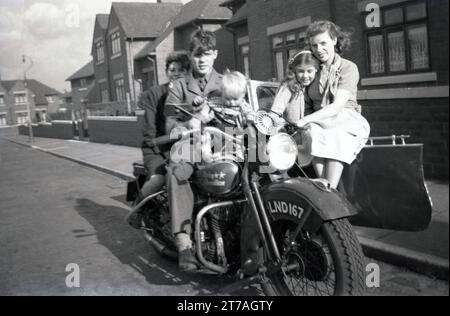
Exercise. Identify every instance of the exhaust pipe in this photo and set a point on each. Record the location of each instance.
(160, 247)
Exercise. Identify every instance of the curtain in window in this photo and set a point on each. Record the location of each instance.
(418, 45)
(397, 56)
(376, 49)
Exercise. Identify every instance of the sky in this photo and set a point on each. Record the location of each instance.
(55, 34)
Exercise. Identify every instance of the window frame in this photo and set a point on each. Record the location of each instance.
(242, 57)
(404, 26)
(285, 48)
(21, 96)
(100, 47)
(122, 86)
(2, 99)
(116, 49)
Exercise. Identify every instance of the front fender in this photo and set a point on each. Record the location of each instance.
(289, 198)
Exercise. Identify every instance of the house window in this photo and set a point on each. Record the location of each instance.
(400, 45)
(82, 82)
(244, 51)
(2, 119)
(2, 100)
(115, 41)
(20, 98)
(100, 52)
(50, 98)
(284, 46)
(22, 118)
(120, 90)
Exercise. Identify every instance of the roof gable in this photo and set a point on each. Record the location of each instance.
(144, 20)
(201, 10)
(102, 20)
(84, 72)
(206, 10)
(241, 16)
(100, 26)
(39, 89)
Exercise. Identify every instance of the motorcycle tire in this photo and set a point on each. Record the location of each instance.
(344, 258)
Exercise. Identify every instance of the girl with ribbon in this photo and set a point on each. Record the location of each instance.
(330, 112)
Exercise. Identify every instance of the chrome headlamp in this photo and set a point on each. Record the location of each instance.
(282, 151)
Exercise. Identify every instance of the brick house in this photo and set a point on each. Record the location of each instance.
(17, 95)
(82, 84)
(206, 14)
(118, 37)
(403, 62)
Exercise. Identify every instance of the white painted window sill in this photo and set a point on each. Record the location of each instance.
(116, 56)
(399, 79)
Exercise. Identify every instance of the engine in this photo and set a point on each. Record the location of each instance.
(221, 235)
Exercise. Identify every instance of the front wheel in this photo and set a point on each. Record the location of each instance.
(329, 262)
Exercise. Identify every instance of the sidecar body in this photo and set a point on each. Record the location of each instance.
(385, 184)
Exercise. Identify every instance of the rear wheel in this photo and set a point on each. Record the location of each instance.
(329, 262)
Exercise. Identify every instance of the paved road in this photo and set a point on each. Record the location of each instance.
(54, 212)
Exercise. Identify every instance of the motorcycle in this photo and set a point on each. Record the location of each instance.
(308, 246)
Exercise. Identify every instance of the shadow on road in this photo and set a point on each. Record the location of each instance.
(129, 246)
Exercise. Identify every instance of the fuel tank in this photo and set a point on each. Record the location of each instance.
(218, 178)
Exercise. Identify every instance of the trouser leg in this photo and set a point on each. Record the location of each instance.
(181, 197)
(153, 185)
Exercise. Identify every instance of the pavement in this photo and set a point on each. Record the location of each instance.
(423, 252)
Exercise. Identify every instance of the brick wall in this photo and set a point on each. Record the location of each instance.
(9, 131)
(56, 129)
(426, 120)
(124, 131)
(226, 58)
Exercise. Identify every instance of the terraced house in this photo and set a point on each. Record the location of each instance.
(130, 45)
(16, 96)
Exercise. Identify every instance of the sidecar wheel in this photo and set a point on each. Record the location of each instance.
(328, 263)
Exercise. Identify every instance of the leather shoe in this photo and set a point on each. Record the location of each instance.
(187, 261)
(249, 267)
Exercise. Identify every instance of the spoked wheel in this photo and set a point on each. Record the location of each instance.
(327, 263)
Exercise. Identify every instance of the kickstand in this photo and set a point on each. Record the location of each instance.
(239, 284)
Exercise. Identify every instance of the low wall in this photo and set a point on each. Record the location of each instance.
(55, 129)
(9, 131)
(118, 130)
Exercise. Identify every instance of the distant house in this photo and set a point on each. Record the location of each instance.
(129, 48)
(118, 37)
(66, 101)
(206, 14)
(17, 95)
(82, 84)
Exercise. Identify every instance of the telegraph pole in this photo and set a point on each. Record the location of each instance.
(30, 128)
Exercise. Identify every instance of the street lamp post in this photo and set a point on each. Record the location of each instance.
(30, 128)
